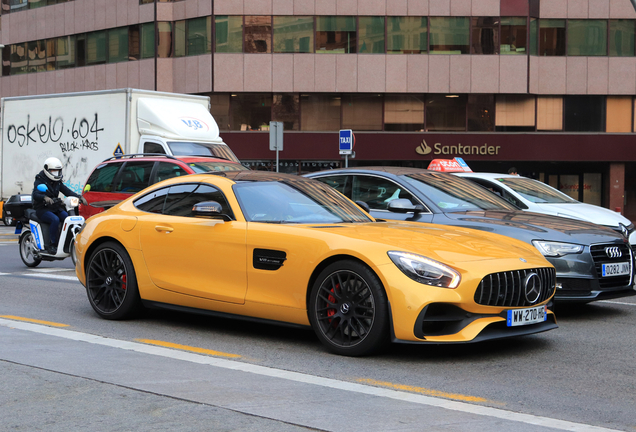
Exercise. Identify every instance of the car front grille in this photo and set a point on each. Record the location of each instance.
(600, 257)
(507, 288)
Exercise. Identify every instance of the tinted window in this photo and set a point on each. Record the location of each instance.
(378, 192)
(168, 170)
(151, 147)
(101, 180)
(134, 177)
(152, 202)
(535, 191)
(499, 191)
(181, 199)
(339, 183)
(199, 149)
(203, 167)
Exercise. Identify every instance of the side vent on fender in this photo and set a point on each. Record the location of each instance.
(267, 259)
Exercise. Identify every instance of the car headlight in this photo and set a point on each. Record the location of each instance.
(425, 270)
(556, 249)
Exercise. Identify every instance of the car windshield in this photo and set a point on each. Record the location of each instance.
(535, 191)
(181, 148)
(289, 201)
(203, 167)
(455, 194)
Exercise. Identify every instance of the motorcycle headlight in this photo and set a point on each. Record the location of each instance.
(425, 270)
(557, 249)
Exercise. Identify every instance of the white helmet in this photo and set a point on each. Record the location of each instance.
(53, 168)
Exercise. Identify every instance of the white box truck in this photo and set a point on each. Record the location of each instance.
(83, 129)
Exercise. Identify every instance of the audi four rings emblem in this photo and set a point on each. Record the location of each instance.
(613, 252)
(532, 287)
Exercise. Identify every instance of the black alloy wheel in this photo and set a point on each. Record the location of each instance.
(111, 284)
(348, 309)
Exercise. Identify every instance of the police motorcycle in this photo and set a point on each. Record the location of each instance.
(34, 240)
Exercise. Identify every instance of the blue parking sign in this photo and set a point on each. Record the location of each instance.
(346, 142)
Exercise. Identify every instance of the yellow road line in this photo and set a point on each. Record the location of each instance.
(36, 321)
(188, 348)
(422, 390)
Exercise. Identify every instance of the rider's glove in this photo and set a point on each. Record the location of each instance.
(83, 201)
(48, 201)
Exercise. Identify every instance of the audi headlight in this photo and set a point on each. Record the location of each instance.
(425, 270)
(557, 249)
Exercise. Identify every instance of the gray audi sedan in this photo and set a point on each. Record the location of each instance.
(592, 262)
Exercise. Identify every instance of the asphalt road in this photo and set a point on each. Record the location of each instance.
(63, 368)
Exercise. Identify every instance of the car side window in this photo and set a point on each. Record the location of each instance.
(134, 177)
(338, 182)
(168, 170)
(152, 202)
(181, 199)
(101, 179)
(378, 192)
(498, 190)
(150, 147)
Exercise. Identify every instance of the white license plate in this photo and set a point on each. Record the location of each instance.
(618, 269)
(519, 317)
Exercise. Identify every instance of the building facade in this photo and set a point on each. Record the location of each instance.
(546, 86)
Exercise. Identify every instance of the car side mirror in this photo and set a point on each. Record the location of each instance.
(364, 206)
(209, 210)
(403, 205)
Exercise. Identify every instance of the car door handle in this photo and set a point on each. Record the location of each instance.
(161, 228)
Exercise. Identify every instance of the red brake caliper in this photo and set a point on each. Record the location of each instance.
(123, 282)
(332, 311)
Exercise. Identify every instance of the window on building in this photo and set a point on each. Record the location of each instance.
(619, 114)
(199, 36)
(449, 35)
(552, 37)
(6, 61)
(485, 32)
(481, 113)
(285, 108)
(80, 46)
(514, 113)
(51, 45)
(320, 112)
(179, 32)
(534, 36)
(513, 35)
(293, 34)
(220, 109)
(549, 113)
(404, 113)
(65, 52)
(96, 47)
(584, 113)
(147, 40)
(164, 45)
(36, 56)
(134, 42)
(362, 112)
(370, 35)
(258, 34)
(587, 37)
(18, 58)
(118, 45)
(336, 34)
(446, 112)
(621, 39)
(250, 112)
(407, 35)
(228, 34)
(34, 4)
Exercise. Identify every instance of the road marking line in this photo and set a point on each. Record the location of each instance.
(51, 270)
(49, 323)
(618, 303)
(422, 390)
(50, 276)
(187, 348)
(309, 379)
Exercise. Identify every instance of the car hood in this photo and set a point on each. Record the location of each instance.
(585, 212)
(442, 243)
(528, 226)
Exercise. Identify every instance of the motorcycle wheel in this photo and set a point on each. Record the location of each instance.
(73, 253)
(28, 250)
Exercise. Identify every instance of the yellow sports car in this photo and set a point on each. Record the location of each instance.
(284, 248)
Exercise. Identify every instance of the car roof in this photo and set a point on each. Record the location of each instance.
(397, 171)
(163, 157)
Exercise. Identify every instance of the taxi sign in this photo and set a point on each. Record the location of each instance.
(346, 141)
(449, 165)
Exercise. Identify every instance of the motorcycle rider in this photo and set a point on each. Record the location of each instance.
(47, 210)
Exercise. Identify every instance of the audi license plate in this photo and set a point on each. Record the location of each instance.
(617, 269)
(519, 317)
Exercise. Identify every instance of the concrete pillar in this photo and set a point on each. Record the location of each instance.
(617, 187)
